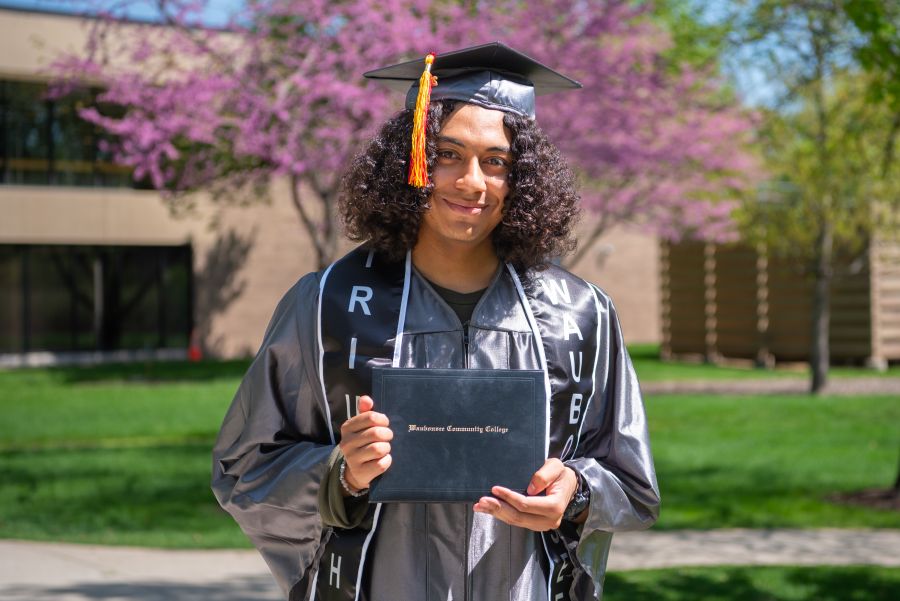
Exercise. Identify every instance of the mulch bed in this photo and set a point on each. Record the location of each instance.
(887, 499)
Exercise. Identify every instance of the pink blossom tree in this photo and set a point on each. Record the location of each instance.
(279, 94)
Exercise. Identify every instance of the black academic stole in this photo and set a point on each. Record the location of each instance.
(360, 298)
(566, 310)
(360, 314)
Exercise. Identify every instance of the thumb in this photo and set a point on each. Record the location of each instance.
(549, 473)
(364, 404)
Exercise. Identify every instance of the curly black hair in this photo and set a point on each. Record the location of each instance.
(378, 207)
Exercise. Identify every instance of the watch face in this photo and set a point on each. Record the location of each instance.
(578, 504)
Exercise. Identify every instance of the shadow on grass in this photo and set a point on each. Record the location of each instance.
(755, 584)
(233, 589)
(155, 371)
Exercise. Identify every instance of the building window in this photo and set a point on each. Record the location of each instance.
(45, 142)
(88, 298)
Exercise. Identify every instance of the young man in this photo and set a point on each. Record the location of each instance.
(454, 272)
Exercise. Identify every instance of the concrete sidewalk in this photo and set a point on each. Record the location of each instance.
(65, 572)
(884, 385)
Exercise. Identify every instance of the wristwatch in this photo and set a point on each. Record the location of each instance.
(580, 500)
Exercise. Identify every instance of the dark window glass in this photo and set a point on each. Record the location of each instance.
(73, 142)
(26, 120)
(80, 265)
(10, 299)
(80, 298)
(177, 287)
(44, 141)
(140, 291)
(51, 288)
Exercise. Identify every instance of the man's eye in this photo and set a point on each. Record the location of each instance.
(498, 162)
(446, 154)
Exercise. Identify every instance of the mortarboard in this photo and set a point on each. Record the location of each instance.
(493, 75)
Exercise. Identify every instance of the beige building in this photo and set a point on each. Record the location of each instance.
(93, 266)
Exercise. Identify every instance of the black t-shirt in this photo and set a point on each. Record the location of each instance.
(462, 303)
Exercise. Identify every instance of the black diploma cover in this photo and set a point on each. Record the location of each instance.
(458, 432)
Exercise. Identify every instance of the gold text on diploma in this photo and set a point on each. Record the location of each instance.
(451, 428)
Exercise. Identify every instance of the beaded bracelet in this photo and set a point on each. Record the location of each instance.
(346, 486)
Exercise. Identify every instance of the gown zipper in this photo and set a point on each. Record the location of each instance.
(466, 344)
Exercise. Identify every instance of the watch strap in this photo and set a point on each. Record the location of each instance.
(580, 500)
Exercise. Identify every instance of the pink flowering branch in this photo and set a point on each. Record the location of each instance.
(279, 93)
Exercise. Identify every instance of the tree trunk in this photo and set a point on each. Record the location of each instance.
(585, 243)
(332, 231)
(820, 353)
(322, 233)
(897, 481)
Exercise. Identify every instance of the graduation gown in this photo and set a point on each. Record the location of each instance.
(327, 333)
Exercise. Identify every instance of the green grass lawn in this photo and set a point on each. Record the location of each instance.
(770, 461)
(756, 584)
(115, 406)
(650, 368)
(115, 454)
(120, 455)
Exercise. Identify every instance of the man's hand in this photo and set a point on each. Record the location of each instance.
(365, 443)
(539, 513)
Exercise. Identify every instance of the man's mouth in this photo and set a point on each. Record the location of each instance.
(464, 209)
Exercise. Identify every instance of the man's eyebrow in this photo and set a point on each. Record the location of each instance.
(450, 140)
(456, 142)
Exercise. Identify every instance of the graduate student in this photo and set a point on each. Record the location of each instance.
(460, 203)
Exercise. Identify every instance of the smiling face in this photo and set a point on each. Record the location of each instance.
(470, 179)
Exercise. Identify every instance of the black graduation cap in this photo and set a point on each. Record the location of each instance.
(491, 75)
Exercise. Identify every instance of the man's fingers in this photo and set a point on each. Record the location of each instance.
(507, 513)
(364, 417)
(362, 475)
(533, 511)
(383, 463)
(541, 506)
(360, 422)
(374, 468)
(365, 443)
(369, 452)
(487, 505)
(371, 469)
(545, 476)
(357, 440)
(365, 404)
(500, 510)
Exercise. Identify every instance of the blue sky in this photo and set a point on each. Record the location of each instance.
(216, 13)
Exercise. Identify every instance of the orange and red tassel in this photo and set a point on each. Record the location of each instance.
(418, 165)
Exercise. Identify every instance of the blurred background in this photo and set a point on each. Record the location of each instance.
(168, 170)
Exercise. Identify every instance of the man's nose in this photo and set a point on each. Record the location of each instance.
(472, 179)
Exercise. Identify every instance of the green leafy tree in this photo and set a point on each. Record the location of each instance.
(879, 22)
(880, 56)
(696, 37)
(826, 137)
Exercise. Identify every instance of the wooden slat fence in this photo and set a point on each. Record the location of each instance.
(735, 301)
